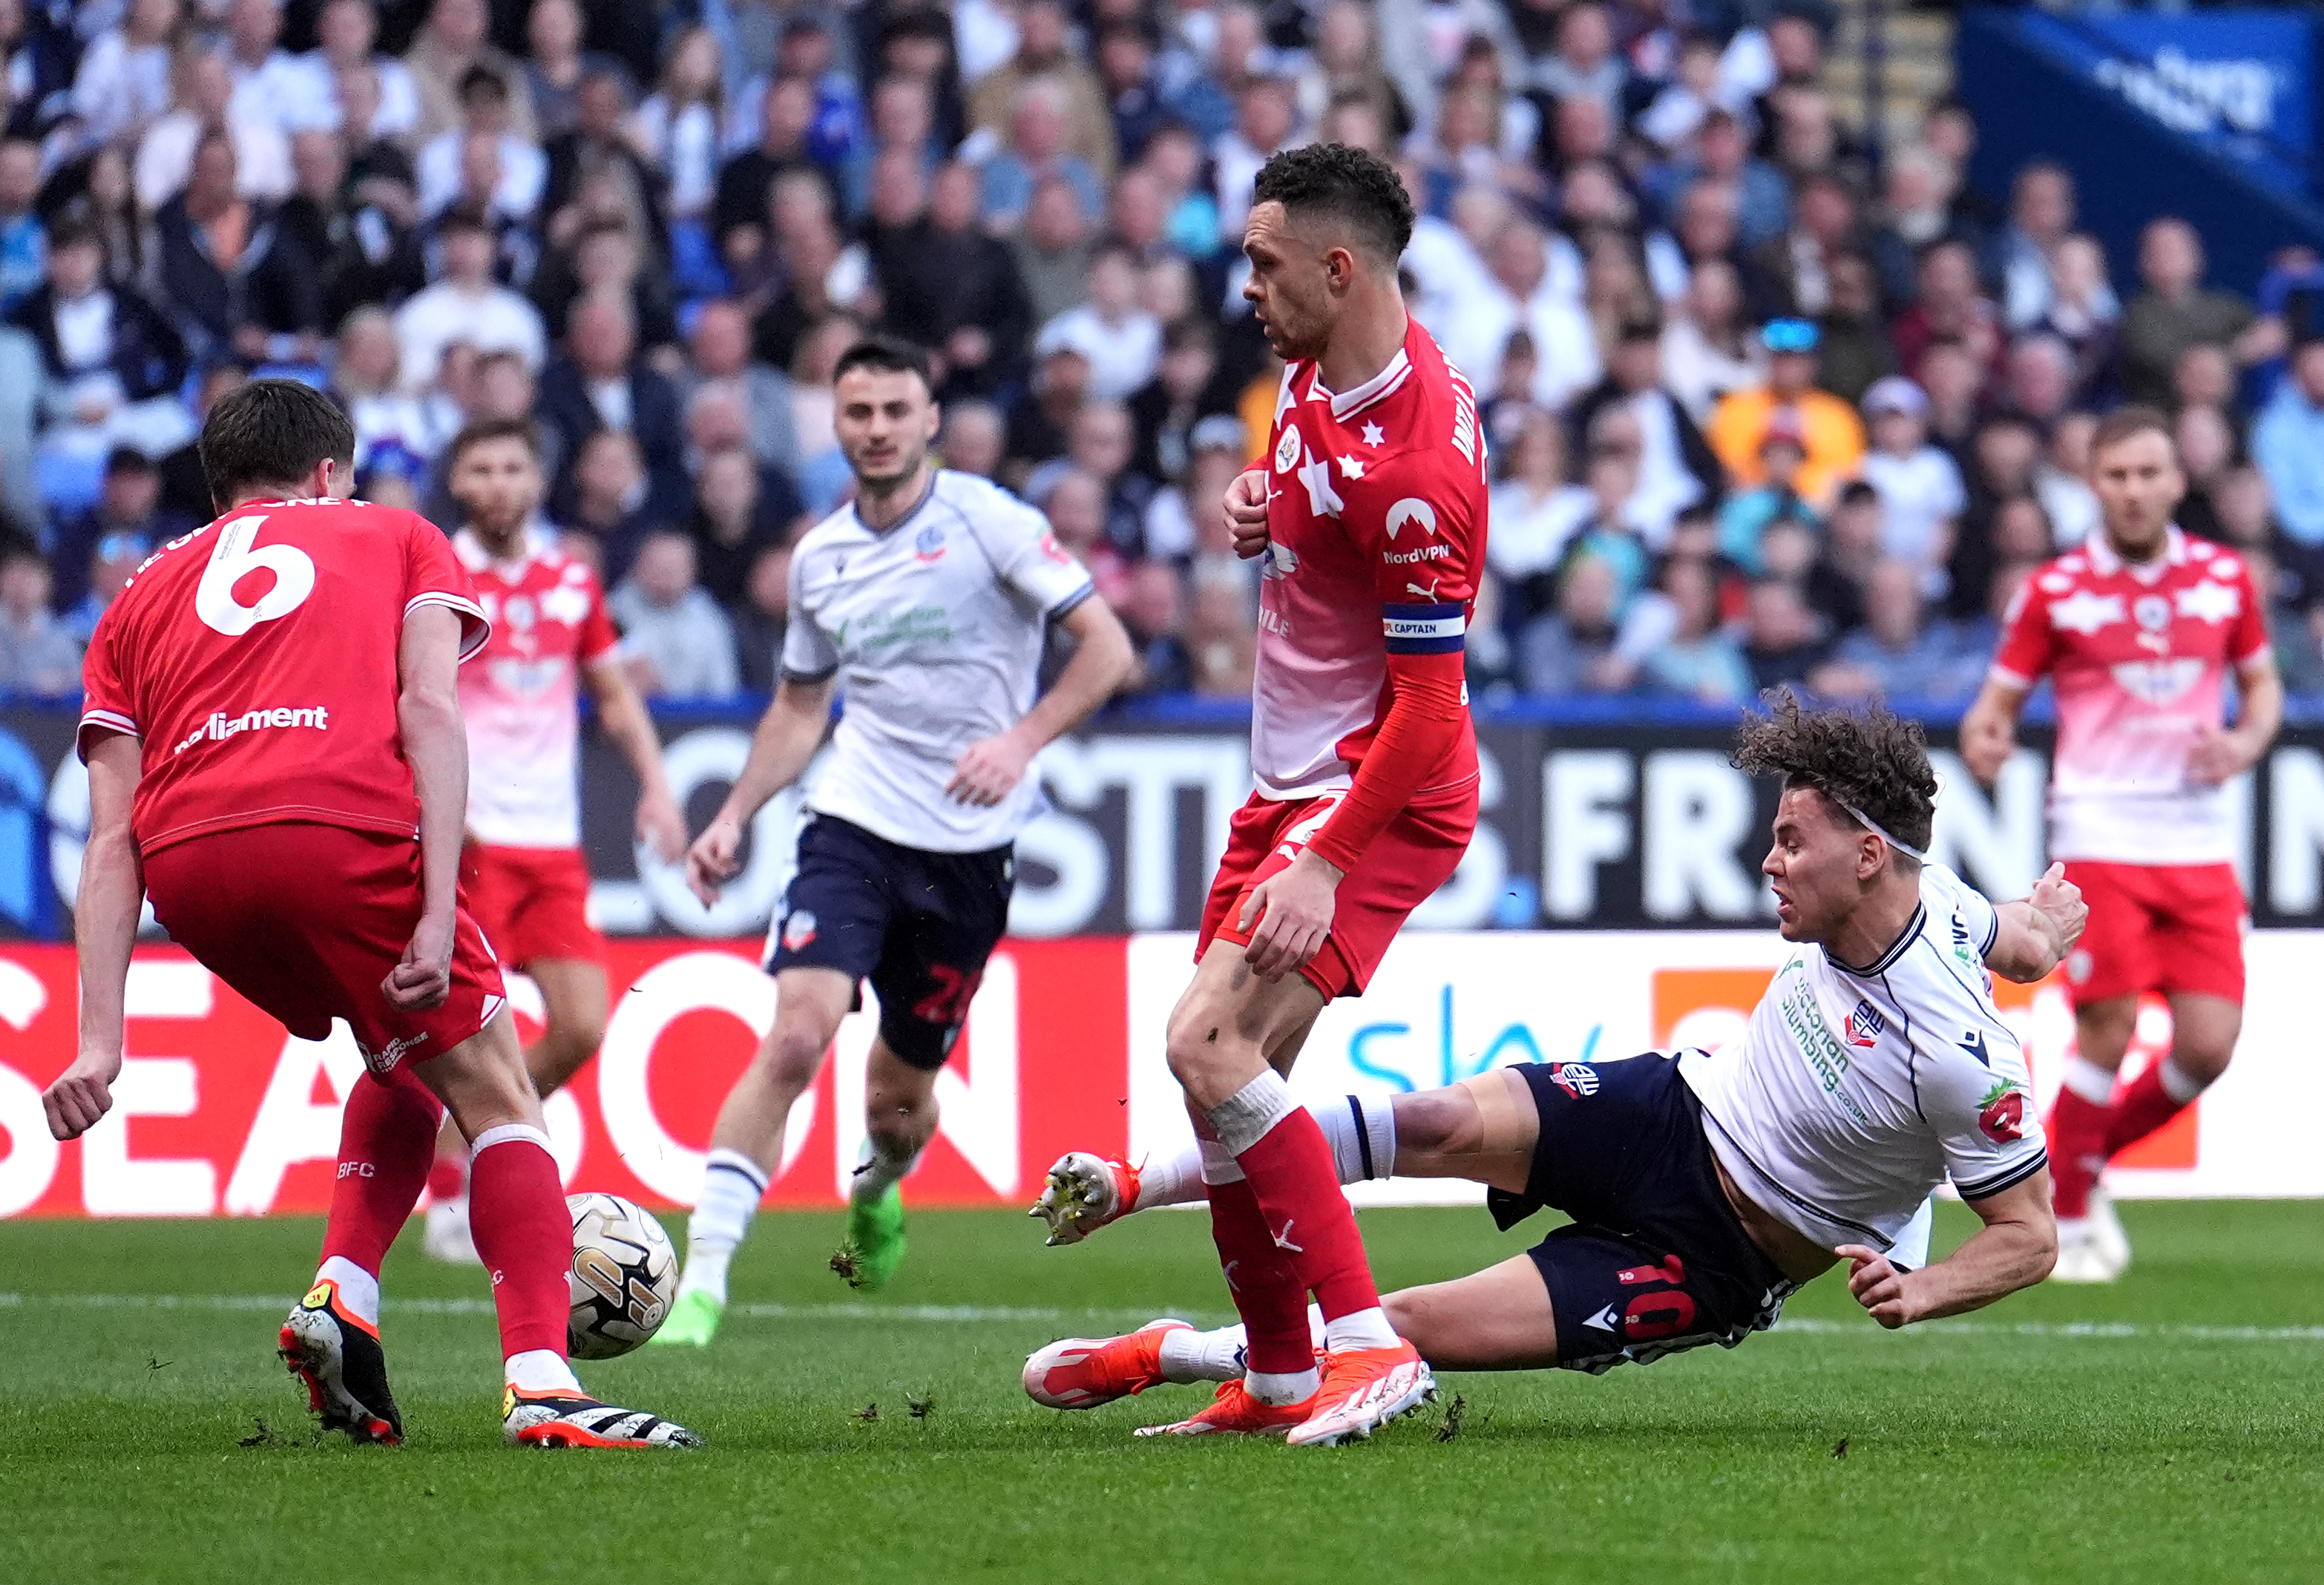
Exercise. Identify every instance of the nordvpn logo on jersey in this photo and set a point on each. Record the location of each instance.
(930, 544)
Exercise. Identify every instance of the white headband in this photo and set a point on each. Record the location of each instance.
(1876, 829)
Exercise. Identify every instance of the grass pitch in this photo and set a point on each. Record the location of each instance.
(2170, 1428)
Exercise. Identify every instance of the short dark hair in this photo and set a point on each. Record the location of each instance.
(1350, 185)
(2124, 422)
(465, 217)
(483, 431)
(481, 79)
(73, 228)
(271, 432)
(884, 355)
(1865, 760)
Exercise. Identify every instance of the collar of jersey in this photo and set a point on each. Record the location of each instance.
(926, 495)
(1887, 959)
(1346, 404)
(2106, 563)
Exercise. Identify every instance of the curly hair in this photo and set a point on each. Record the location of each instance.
(1349, 184)
(1870, 760)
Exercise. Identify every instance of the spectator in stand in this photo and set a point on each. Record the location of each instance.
(1748, 514)
(1915, 211)
(1267, 115)
(1954, 383)
(2205, 376)
(467, 305)
(605, 505)
(2002, 462)
(1855, 351)
(2176, 312)
(607, 257)
(2039, 379)
(973, 438)
(447, 161)
(1798, 261)
(128, 506)
(241, 286)
(720, 358)
(450, 41)
(1708, 349)
(948, 285)
(1922, 496)
(123, 83)
(185, 487)
(114, 359)
(1783, 640)
(1584, 64)
(1572, 649)
(1343, 70)
(2206, 448)
(2083, 314)
(555, 64)
(2041, 213)
(762, 618)
(1184, 392)
(1824, 425)
(682, 125)
(599, 150)
(107, 571)
(1950, 305)
(1899, 654)
(740, 510)
(2288, 444)
(2060, 481)
(1045, 53)
(1121, 340)
(1126, 76)
(345, 34)
(367, 257)
(1722, 158)
(269, 82)
(1035, 153)
(601, 383)
(205, 102)
(1074, 504)
(1676, 466)
(37, 654)
(22, 247)
(1220, 644)
(676, 641)
(1698, 661)
(1153, 609)
(746, 181)
(363, 379)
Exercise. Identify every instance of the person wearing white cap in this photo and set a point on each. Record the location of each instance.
(1921, 491)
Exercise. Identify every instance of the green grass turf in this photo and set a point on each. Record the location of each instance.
(2161, 1443)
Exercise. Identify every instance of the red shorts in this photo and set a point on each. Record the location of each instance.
(2167, 927)
(532, 903)
(1402, 869)
(305, 921)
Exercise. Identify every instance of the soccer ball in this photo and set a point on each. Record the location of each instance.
(624, 1276)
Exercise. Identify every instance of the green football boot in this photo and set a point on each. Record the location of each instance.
(692, 1320)
(875, 1241)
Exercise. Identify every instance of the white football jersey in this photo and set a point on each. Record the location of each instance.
(1855, 1091)
(934, 630)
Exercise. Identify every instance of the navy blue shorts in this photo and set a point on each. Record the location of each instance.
(1654, 1260)
(919, 926)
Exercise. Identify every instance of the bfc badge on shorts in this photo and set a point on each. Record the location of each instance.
(1577, 1079)
(798, 931)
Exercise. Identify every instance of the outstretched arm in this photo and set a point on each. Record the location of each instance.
(787, 736)
(990, 771)
(104, 931)
(2014, 1249)
(1988, 730)
(2033, 935)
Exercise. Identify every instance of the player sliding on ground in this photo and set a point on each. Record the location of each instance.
(526, 879)
(1706, 1189)
(2138, 631)
(1369, 508)
(927, 601)
(275, 755)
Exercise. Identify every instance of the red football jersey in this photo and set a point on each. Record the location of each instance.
(521, 698)
(2140, 656)
(1376, 523)
(255, 660)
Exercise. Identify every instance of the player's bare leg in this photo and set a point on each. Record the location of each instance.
(1499, 1319)
(574, 1003)
(746, 1143)
(899, 1118)
(525, 1237)
(2090, 1247)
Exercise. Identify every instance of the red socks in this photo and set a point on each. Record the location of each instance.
(1267, 1293)
(448, 1179)
(517, 1216)
(2077, 1152)
(387, 1138)
(2141, 1109)
(1291, 1172)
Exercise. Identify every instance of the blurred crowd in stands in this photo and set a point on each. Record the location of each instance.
(1763, 407)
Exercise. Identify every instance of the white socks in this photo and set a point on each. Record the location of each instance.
(1218, 1356)
(732, 1188)
(2178, 1083)
(1364, 1329)
(876, 1170)
(2086, 1079)
(1243, 1118)
(1362, 1135)
(540, 1370)
(1175, 1180)
(358, 1289)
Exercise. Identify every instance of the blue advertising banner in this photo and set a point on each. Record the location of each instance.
(2240, 83)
